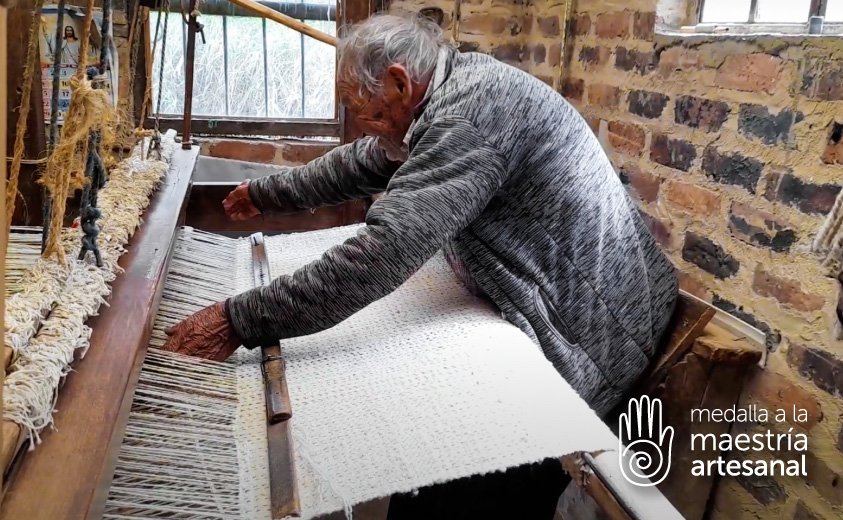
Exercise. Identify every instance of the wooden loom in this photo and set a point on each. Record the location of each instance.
(95, 400)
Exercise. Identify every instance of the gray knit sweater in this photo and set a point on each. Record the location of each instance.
(508, 175)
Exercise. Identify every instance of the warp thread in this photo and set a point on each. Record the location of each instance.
(20, 128)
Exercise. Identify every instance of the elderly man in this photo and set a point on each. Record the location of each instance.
(494, 166)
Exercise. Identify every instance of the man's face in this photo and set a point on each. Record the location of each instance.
(387, 114)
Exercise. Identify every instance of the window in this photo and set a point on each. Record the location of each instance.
(248, 67)
(795, 13)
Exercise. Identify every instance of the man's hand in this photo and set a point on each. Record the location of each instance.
(238, 205)
(206, 334)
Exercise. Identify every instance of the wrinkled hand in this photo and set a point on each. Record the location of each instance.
(238, 205)
(206, 334)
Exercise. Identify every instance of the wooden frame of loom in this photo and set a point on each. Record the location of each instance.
(78, 458)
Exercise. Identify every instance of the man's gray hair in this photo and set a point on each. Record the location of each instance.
(372, 46)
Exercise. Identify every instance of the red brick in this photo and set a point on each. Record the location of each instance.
(673, 153)
(751, 72)
(626, 137)
(709, 256)
(693, 198)
(677, 59)
(760, 228)
(691, 285)
(632, 60)
(833, 153)
(592, 57)
(701, 113)
(549, 25)
(788, 292)
(582, 26)
(539, 53)
(243, 151)
(808, 197)
(604, 95)
(303, 153)
(643, 25)
(554, 55)
(824, 369)
(511, 53)
(594, 124)
(613, 25)
(660, 230)
(823, 79)
(485, 23)
(777, 392)
(644, 184)
(572, 89)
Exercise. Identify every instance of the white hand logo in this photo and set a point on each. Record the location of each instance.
(640, 435)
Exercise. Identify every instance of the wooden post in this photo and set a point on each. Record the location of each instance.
(2, 199)
(18, 20)
(188, 76)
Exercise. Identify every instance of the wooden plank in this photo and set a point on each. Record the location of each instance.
(205, 212)
(28, 205)
(286, 21)
(3, 239)
(251, 126)
(283, 487)
(353, 11)
(10, 443)
(594, 487)
(78, 458)
(689, 320)
(683, 391)
(716, 350)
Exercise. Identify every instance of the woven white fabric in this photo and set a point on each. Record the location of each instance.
(426, 385)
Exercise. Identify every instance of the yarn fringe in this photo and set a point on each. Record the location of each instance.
(45, 319)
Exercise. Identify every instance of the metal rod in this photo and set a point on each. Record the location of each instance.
(265, 73)
(753, 11)
(188, 75)
(225, 59)
(301, 49)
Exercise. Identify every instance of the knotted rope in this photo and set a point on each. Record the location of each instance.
(32, 58)
(90, 111)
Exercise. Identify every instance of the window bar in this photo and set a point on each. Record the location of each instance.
(753, 11)
(302, 73)
(225, 59)
(265, 74)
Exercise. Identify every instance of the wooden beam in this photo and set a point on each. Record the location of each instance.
(78, 458)
(353, 11)
(28, 205)
(205, 212)
(3, 238)
(251, 126)
(285, 20)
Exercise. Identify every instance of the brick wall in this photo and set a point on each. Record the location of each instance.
(285, 152)
(732, 148)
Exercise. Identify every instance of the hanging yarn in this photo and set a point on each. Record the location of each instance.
(90, 110)
(20, 129)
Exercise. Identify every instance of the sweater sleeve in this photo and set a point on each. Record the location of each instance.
(446, 183)
(348, 172)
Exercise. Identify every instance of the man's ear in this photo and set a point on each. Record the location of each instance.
(397, 85)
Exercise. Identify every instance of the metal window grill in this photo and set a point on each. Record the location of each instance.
(225, 15)
(813, 8)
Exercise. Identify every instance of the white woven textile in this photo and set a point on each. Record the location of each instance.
(426, 385)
